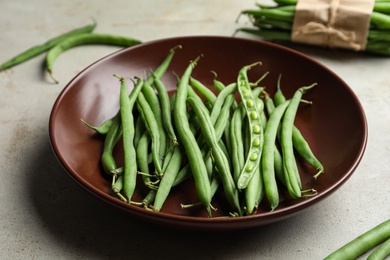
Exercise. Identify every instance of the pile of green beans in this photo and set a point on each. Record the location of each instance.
(275, 22)
(59, 44)
(187, 135)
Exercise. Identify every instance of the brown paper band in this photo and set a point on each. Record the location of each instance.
(333, 23)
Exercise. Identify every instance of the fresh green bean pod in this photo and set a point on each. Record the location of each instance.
(82, 39)
(165, 110)
(149, 198)
(142, 150)
(111, 139)
(203, 90)
(126, 108)
(117, 187)
(220, 159)
(381, 252)
(363, 243)
(253, 193)
(221, 122)
(253, 159)
(139, 130)
(291, 171)
(299, 142)
(223, 94)
(187, 139)
(153, 130)
(155, 106)
(237, 146)
(268, 159)
(39, 49)
(101, 129)
(168, 179)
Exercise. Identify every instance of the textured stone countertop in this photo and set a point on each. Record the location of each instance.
(45, 215)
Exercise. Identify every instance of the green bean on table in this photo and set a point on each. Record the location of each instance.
(82, 39)
(363, 243)
(39, 49)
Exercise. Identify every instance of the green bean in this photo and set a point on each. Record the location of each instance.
(139, 130)
(162, 68)
(82, 39)
(237, 146)
(379, 20)
(221, 122)
(299, 142)
(214, 185)
(382, 7)
(223, 94)
(165, 110)
(267, 34)
(220, 159)
(286, 2)
(142, 151)
(253, 193)
(153, 130)
(363, 243)
(254, 190)
(117, 187)
(275, 14)
(183, 175)
(149, 198)
(220, 86)
(168, 179)
(101, 129)
(278, 166)
(154, 103)
(291, 171)
(205, 91)
(187, 138)
(268, 160)
(256, 138)
(39, 49)
(381, 252)
(126, 107)
(111, 139)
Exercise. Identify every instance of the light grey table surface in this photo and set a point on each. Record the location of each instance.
(45, 215)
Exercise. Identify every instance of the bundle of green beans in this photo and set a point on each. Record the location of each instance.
(57, 45)
(165, 143)
(274, 23)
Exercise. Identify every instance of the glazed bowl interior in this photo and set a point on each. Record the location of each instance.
(334, 125)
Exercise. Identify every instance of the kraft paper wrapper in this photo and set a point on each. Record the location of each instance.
(333, 23)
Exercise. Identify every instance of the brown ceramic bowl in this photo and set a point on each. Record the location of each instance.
(335, 125)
